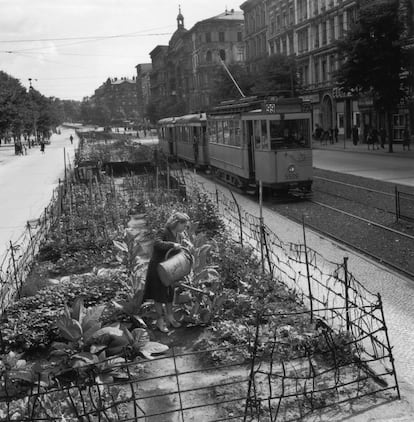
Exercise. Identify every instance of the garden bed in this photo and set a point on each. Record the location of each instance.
(238, 325)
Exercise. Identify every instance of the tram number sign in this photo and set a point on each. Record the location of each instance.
(270, 108)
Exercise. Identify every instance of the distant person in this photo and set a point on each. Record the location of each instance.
(375, 140)
(406, 138)
(383, 136)
(71, 139)
(355, 135)
(318, 132)
(42, 146)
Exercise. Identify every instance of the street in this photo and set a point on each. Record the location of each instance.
(27, 183)
(396, 167)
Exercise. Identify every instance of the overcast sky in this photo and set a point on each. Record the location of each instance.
(66, 46)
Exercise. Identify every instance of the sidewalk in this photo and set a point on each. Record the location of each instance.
(348, 146)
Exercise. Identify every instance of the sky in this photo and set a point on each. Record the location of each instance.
(69, 48)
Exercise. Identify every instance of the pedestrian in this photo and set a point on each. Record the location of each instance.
(406, 138)
(374, 138)
(336, 133)
(168, 238)
(71, 139)
(318, 132)
(42, 146)
(195, 149)
(355, 135)
(383, 136)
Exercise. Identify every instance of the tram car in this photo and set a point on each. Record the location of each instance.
(184, 137)
(248, 141)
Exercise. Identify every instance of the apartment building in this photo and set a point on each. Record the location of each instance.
(308, 30)
(143, 85)
(183, 72)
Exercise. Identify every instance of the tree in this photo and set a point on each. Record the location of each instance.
(276, 75)
(373, 58)
(225, 89)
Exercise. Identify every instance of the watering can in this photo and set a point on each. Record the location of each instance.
(176, 267)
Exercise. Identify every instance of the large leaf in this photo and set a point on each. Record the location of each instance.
(122, 246)
(104, 334)
(21, 374)
(83, 359)
(78, 310)
(153, 348)
(92, 315)
(69, 328)
(93, 328)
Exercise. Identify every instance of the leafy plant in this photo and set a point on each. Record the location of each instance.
(86, 338)
(136, 342)
(129, 254)
(31, 322)
(203, 282)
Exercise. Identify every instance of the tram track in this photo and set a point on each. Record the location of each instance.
(359, 216)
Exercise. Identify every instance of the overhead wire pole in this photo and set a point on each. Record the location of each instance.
(231, 77)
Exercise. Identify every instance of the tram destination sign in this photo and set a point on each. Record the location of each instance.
(277, 107)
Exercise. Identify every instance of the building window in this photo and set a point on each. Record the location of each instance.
(208, 57)
(239, 36)
(316, 72)
(221, 36)
(302, 10)
(323, 28)
(208, 37)
(324, 69)
(331, 31)
(340, 26)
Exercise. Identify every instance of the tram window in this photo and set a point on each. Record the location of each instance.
(289, 134)
(226, 132)
(260, 134)
(212, 132)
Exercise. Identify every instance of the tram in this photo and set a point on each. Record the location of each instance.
(247, 141)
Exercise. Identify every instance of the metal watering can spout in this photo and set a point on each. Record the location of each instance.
(176, 267)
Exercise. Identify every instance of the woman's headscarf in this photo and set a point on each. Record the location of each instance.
(176, 218)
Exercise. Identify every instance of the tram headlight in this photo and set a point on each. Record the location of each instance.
(291, 168)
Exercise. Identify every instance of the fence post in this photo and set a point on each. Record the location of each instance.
(388, 344)
(168, 176)
(348, 323)
(14, 269)
(307, 269)
(261, 223)
(240, 217)
(397, 203)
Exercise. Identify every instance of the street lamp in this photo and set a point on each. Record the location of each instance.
(33, 110)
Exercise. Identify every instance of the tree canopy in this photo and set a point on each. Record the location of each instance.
(373, 58)
(276, 75)
(22, 111)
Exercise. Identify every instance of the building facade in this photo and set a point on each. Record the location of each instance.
(119, 97)
(182, 72)
(143, 85)
(308, 30)
(213, 41)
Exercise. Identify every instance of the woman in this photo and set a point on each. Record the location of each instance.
(169, 238)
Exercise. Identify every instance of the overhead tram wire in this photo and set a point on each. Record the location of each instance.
(96, 37)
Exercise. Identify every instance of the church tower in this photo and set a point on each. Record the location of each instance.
(180, 19)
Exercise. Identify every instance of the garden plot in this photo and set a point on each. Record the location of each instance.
(104, 371)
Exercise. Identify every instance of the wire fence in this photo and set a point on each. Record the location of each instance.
(334, 364)
(404, 205)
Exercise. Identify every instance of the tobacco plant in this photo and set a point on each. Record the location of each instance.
(129, 254)
(203, 283)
